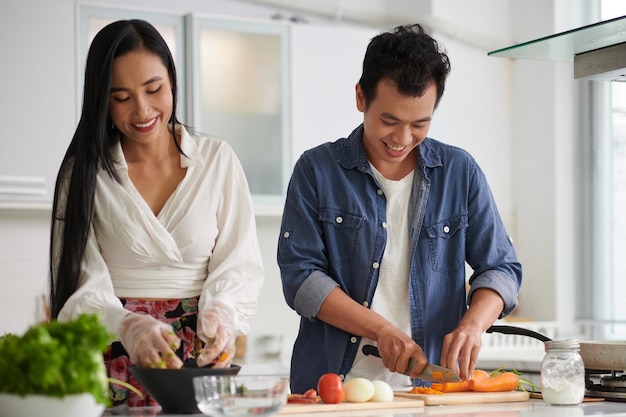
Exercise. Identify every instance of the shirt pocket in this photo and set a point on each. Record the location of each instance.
(341, 230)
(446, 241)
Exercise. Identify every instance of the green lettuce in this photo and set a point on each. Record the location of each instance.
(57, 359)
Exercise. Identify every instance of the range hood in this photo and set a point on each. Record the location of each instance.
(598, 51)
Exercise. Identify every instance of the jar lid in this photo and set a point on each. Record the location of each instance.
(562, 345)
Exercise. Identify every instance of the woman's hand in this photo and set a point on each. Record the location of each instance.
(216, 327)
(149, 342)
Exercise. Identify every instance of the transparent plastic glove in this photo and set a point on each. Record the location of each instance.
(222, 360)
(149, 342)
(216, 327)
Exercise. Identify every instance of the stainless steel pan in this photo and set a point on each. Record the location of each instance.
(606, 355)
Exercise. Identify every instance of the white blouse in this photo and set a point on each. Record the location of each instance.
(202, 241)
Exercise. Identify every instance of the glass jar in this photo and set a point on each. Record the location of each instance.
(562, 373)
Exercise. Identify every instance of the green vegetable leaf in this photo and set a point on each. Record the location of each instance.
(57, 359)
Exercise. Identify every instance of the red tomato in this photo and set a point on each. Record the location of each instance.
(330, 388)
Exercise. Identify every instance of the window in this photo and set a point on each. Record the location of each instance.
(603, 286)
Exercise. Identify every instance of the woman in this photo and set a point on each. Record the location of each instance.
(152, 227)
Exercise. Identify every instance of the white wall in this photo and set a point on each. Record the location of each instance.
(544, 170)
(514, 117)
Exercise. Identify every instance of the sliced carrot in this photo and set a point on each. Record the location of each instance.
(505, 381)
(460, 386)
(424, 390)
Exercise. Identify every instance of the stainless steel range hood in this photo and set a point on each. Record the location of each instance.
(598, 51)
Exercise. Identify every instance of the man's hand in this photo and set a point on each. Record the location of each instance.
(396, 349)
(460, 350)
(462, 345)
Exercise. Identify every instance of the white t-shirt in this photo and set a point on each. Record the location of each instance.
(391, 298)
(203, 240)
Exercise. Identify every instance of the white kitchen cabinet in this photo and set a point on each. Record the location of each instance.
(326, 64)
(240, 92)
(285, 88)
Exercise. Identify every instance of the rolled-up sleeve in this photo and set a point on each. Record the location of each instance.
(312, 294)
(501, 283)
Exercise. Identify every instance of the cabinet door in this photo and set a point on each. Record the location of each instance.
(240, 94)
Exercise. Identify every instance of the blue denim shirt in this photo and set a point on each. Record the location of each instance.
(333, 234)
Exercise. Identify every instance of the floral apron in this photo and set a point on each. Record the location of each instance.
(182, 314)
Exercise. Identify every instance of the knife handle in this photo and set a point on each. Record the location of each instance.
(409, 367)
(370, 350)
(373, 350)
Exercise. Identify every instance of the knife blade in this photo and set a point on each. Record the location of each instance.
(447, 375)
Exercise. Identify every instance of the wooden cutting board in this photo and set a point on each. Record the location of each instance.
(449, 398)
(347, 406)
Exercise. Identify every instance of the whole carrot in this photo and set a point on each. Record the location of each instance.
(462, 385)
(505, 381)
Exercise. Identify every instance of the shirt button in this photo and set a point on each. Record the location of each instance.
(341, 376)
(379, 192)
(446, 229)
(353, 339)
(339, 219)
(286, 235)
(384, 225)
(375, 265)
(365, 304)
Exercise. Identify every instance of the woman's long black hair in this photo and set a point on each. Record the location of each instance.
(90, 150)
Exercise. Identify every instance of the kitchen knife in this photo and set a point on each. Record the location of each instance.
(447, 375)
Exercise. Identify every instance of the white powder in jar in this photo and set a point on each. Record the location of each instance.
(563, 391)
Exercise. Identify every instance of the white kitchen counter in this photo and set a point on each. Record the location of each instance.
(532, 408)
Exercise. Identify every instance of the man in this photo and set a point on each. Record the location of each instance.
(377, 228)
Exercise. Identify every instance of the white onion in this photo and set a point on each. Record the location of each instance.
(382, 392)
(358, 390)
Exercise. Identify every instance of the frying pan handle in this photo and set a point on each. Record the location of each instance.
(518, 331)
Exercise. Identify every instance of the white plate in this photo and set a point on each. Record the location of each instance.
(76, 405)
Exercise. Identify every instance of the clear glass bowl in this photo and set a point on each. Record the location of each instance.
(241, 395)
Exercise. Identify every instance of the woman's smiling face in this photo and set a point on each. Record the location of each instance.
(141, 99)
